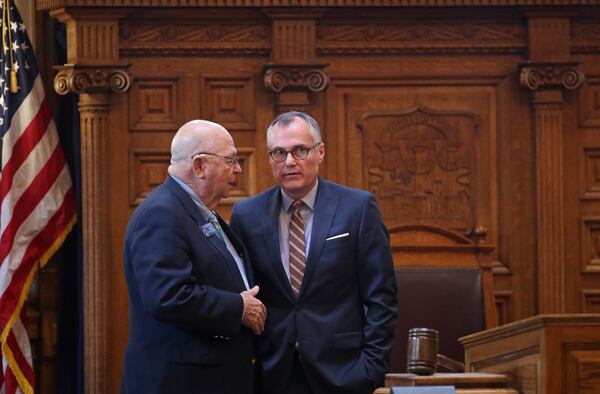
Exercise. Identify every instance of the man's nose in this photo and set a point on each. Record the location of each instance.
(289, 159)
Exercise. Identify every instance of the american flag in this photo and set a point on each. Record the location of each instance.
(36, 194)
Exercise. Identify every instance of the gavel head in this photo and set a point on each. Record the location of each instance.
(422, 350)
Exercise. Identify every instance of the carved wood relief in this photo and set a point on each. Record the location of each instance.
(426, 112)
(334, 38)
(426, 158)
(421, 166)
(192, 38)
(585, 36)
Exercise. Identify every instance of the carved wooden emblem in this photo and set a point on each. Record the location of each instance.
(420, 164)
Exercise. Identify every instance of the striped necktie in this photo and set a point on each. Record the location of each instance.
(297, 248)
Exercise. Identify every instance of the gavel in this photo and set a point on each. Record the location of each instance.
(422, 357)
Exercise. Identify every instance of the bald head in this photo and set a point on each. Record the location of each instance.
(193, 137)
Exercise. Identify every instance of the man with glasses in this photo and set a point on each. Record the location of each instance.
(321, 255)
(194, 315)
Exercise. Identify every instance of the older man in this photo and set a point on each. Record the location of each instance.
(321, 255)
(193, 307)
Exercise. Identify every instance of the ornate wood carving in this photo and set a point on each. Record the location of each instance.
(79, 79)
(585, 36)
(145, 39)
(546, 74)
(93, 72)
(92, 36)
(279, 77)
(410, 37)
(46, 4)
(420, 165)
(293, 71)
(536, 76)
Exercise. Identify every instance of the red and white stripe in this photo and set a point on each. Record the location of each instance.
(37, 210)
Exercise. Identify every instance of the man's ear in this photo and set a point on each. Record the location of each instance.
(199, 167)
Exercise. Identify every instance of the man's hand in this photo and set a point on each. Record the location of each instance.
(255, 312)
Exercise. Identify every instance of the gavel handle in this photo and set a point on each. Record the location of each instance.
(450, 363)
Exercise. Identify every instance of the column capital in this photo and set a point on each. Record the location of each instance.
(537, 76)
(73, 78)
(279, 77)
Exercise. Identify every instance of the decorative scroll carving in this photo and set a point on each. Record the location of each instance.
(410, 38)
(189, 39)
(420, 165)
(310, 76)
(536, 76)
(91, 79)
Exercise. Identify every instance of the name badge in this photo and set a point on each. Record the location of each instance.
(209, 230)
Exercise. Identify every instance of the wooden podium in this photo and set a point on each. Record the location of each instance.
(545, 354)
(465, 383)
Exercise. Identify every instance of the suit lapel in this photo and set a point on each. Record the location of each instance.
(271, 237)
(324, 213)
(191, 208)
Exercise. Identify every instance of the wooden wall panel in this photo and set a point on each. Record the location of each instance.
(423, 107)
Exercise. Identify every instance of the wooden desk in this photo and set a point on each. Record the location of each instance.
(465, 383)
(545, 354)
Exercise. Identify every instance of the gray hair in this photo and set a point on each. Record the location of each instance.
(288, 117)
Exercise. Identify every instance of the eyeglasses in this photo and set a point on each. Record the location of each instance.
(298, 153)
(233, 160)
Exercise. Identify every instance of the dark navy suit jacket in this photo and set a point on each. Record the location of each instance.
(344, 318)
(186, 334)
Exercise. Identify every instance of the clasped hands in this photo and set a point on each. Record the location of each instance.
(255, 312)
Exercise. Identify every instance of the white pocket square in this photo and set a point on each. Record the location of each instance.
(338, 236)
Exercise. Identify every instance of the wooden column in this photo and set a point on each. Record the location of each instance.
(93, 72)
(294, 71)
(546, 74)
